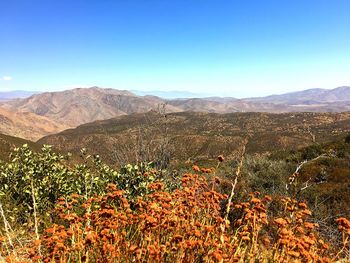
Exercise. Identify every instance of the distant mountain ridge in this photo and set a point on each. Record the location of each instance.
(169, 94)
(70, 108)
(16, 94)
(340, 94)
(82, 105)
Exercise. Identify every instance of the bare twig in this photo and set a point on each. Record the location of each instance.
(36, 223)
(293, 177)
(234, 184)
(7, 227)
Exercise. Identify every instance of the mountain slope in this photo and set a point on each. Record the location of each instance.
(50, 112)
(27, 125)
(186, 135)
(7, 143)
(71, 108)
(78, 106)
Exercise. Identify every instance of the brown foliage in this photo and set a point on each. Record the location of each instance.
(186, 225)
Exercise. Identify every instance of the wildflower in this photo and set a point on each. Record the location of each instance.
(221, 158)
(280, 221)
(196, 168)
(302, 205)
(217, 180)
(294, 254)
(255, 200)
(177, 238)
(268, 198)
(246, 238)
(197, 233)
(75, 196)
(309, 225)
(217, 255)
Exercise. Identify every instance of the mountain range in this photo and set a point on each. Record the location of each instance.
(9, 95)
(308, 97)
(50, 112)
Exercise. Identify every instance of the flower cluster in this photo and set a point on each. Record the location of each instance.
(193, 223)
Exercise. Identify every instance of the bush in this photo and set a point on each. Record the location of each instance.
(311, 152)
(39, 178)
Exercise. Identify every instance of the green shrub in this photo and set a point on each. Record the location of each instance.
(42, 177)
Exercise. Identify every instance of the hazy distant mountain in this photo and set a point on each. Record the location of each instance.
(308, 97)
(8, 95)
(169, 94)
(27, 125)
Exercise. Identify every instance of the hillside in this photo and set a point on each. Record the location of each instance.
(188, 135)
(7, 143)
(78, 106)
(27, 125)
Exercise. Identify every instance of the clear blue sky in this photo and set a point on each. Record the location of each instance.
(238, 47)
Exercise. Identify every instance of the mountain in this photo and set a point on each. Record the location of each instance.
(7, 143)
(82, 105)
(9, 95)
(185, 135)
(169, 94)
(308, 97)
(225, 105)
(27, 125)
(75, 107)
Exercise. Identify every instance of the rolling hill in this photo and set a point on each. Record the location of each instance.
(186, 135)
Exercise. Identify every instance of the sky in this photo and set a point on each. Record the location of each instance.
(239, 48)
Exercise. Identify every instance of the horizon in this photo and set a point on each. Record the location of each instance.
(223, 49)
(170, 94)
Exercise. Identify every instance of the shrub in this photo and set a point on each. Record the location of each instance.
(40, 178)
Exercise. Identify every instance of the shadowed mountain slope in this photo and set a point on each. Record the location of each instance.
(7, 143)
